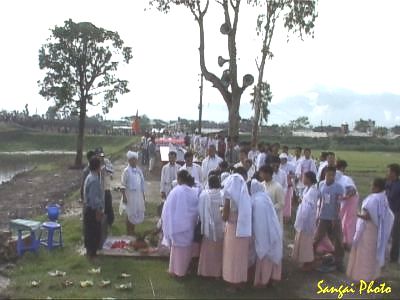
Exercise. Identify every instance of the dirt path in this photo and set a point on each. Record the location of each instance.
(27, 194)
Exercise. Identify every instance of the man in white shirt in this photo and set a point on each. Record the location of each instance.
(169, 173)
(279, 175)
(274, 189)
(285, 150)
(210, 163)
(323, 162)
(261, 157)
(306, 164)
(193, 169)
(242, 163)
(253, 154)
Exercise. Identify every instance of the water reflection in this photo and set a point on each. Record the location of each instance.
(14, 163)
(7, 175)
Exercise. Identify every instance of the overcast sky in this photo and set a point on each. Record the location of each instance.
(350, 70)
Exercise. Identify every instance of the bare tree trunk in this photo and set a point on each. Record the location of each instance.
(268, 34)
(81, 133)
(256, 119)
(234, 117)
(257, 103)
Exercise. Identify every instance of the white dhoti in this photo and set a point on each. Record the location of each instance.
(135, 206)
(133, 182)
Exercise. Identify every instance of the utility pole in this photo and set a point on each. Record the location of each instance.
(201, 101)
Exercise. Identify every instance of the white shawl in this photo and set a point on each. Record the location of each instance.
(345, 181)
(212, 226)
(235, 189)
(377, 206)
(307, 211)
(267, 230)
(180, 214)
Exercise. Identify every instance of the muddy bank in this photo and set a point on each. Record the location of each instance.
(27, 194)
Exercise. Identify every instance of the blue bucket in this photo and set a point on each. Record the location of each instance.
(53, 211)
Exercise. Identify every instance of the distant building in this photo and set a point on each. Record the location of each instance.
(312, 134)
(345, 128)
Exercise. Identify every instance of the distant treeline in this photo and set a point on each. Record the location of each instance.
(350, 143)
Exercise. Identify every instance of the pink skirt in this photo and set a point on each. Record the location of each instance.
(325, 246)
(303, 251)
(287, 208)
(349, 219)
(265, 271)
(195, 250)
(210, 262)
(235, 254)
(363, 264)
(179, 260)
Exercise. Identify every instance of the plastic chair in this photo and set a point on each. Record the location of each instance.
(51, 229)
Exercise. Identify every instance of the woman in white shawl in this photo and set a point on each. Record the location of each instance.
(212, 228)
(133, 197)
(237, 214)
(305, 223)
(179, 218)
(267, 237)
(374, 226)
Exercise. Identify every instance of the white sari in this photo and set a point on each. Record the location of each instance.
(212, 226)
(378, 208)
(307, 211)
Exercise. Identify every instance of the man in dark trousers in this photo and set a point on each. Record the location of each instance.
(86, 171)
(393, 195)
(93, 208)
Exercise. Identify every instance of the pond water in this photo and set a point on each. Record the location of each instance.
(8, 174)
(14, 163)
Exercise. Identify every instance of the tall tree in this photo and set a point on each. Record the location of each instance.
(228, 84)
(81, 61)
(298, 16)
(262, 110)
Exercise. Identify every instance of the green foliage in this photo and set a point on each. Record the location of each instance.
(265, 99)
(81, 60)
(300, 123)
(298, 17)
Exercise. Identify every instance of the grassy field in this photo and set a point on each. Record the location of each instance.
(19, 139)
(365, 166)
(149, 276)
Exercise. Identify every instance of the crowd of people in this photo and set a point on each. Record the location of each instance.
(226, 216)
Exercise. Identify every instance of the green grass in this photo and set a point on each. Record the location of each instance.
(363, 167)
(36, 267)
(18, 139)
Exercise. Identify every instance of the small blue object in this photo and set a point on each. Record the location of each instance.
(21, 226)
(48, 231)
(53, 212)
